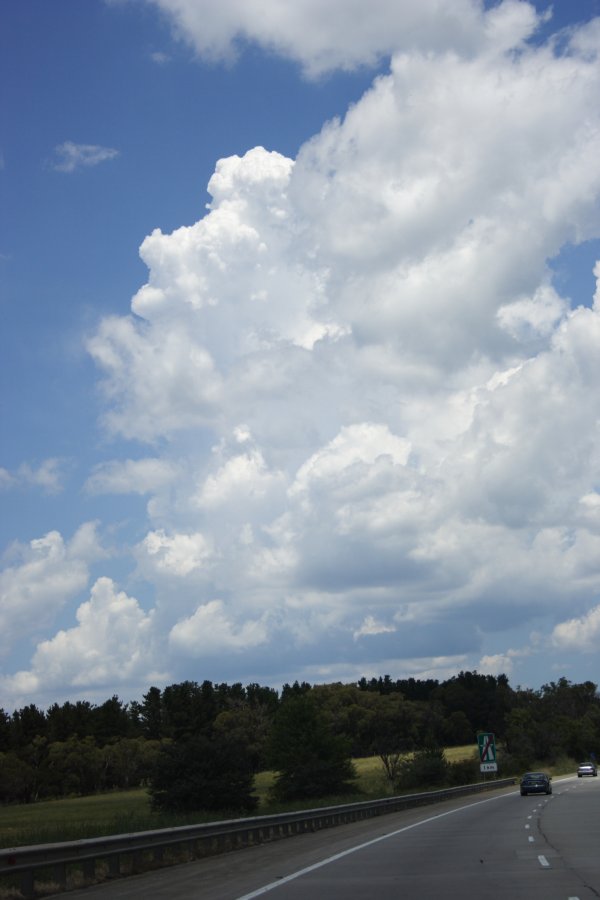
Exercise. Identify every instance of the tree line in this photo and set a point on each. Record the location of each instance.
(202, 744)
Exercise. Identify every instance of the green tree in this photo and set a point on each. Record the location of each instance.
(248, 726)
(458, 729)
(522, 736)
(483, 699)
(75, 766)
(68, 720)
(110, 720)
(36, 757)
(392, 730)
(348, 711)
(126, 762)
(585, 736)
(26, 723)
(16, 779)
(310, 759)
(203, 773)
(4, 731)
(189, 708)
(150, 714)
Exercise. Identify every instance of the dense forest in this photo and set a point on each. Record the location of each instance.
(220, 735)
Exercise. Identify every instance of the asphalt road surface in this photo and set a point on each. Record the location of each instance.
(500, 846)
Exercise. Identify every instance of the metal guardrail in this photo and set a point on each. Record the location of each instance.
(51, 862)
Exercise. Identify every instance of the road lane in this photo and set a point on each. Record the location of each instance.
(503, 846)
(572, 829)
(231, 875)
(494, 851)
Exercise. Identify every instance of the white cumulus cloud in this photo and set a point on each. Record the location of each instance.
(581, 634)
(342, 34)
(111, 643)
(177, 554)
(211, 631)
(41, 577)
(377, 416)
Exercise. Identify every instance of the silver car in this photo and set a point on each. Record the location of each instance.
(588, 768)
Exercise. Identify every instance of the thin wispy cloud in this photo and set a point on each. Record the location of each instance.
(48, 476)
(160, 58)
(70, 156)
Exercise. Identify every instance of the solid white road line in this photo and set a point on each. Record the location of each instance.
(383, 837)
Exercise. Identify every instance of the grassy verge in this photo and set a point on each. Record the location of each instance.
(127, 811)
(83, 817)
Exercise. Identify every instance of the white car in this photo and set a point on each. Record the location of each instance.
(587, 768)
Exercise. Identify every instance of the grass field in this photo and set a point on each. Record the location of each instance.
(126, 811)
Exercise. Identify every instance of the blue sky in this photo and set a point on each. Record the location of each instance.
(342, 420)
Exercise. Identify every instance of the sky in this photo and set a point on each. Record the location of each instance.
(300, 343)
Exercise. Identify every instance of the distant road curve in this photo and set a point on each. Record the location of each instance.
(503, 847)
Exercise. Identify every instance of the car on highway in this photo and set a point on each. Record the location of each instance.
(587, 768)
(535, 783)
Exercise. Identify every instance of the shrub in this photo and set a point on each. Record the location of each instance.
(427, 768)
(464, 771)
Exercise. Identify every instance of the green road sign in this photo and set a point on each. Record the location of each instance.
(487, 748)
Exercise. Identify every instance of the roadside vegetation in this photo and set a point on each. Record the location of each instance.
(191, 753)
(121, 812)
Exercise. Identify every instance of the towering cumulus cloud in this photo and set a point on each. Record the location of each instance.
(374, 414)
(378, 406)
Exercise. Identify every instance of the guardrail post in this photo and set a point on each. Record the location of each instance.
(89, 869)
(60, 874)
(27, 884)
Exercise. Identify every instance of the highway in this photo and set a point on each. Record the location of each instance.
(498, 847)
